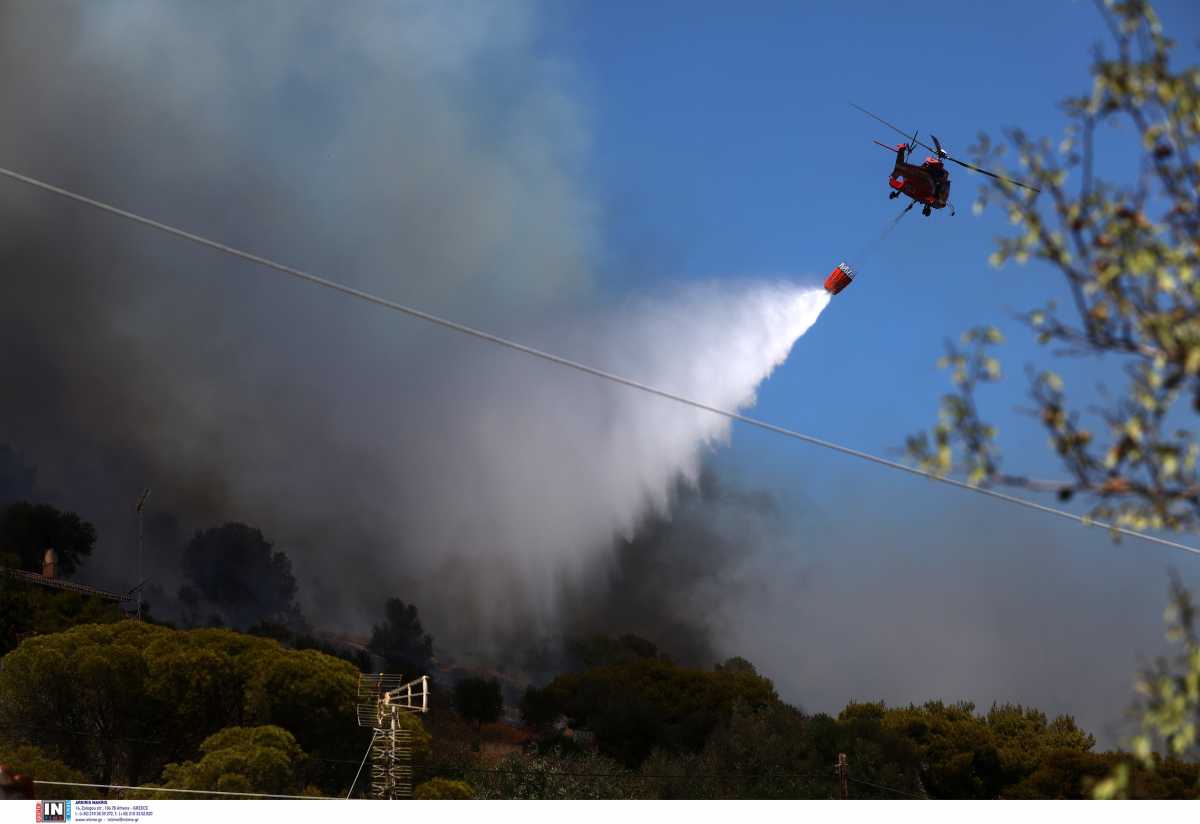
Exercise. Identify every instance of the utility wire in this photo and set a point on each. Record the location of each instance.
(767, 770)
(688, 777)
(174, 790)
(65, 731)
(570, 364)
(619, 776)
(374, 735)
(887, 789)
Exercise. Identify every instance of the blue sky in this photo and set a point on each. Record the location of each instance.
(724, 147)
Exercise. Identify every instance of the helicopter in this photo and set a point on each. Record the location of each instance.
(928, 183)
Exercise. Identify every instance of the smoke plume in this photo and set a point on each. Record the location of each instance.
(424, 151)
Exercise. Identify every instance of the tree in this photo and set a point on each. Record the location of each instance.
(234, 568)
(602, 651)
(33, 762)
(443, 789)
(264, 759)
(148, 695)
(538, 709)
(401, 640)
(27, 609)
(479, 700)
(644, 704)
(1170, 704)
(28, 530)
(966, 755)
(755, 753)
(557, 776)
(737, 664)
(1070, 774)
(1129, 257)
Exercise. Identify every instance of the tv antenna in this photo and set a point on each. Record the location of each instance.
(141, 504)
(382, 700)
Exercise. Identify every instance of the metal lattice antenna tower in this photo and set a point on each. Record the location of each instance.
(382, 700)
(141, 504)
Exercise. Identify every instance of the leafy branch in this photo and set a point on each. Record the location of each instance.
(1129, 256)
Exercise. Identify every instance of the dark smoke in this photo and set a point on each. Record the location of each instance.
(235, 570)
(677, 583)
(407, 149)
(672, 581)
(16, 476)
(370, 147)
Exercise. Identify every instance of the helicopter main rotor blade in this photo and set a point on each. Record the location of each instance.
(891, 126)
(940, 152)
(973, 167)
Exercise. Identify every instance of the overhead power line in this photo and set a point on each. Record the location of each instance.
(580, 367)
(904, 793)
(686, 778)
(366, 755)
(64, 731)
(611, 776)
(187, 792)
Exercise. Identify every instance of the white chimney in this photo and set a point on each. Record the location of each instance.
(50, 564)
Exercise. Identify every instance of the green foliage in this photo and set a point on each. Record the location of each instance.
(767, 752)
(35, 763)
(1076, 775)
(644, 704)
(557, 776)
(958, 417)
(964, 755)
(1171, 690)
(264, 759)
(935, 750)
(737, 664)
(1170, 704)
(1129, 256)
(27, 530)
(401, 640)
(149, 695)
(443, 789)
(27, 609)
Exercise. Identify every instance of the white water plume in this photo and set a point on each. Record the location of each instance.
(548, 466)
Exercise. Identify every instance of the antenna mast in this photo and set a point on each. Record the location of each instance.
(141, 547)
(383, 699)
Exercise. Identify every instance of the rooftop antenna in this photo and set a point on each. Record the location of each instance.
(141, 504)
(382, 700)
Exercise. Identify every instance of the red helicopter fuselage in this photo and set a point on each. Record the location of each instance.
(927, 184)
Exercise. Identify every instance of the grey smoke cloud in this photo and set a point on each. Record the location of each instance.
(416, 150)
(419, 151)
